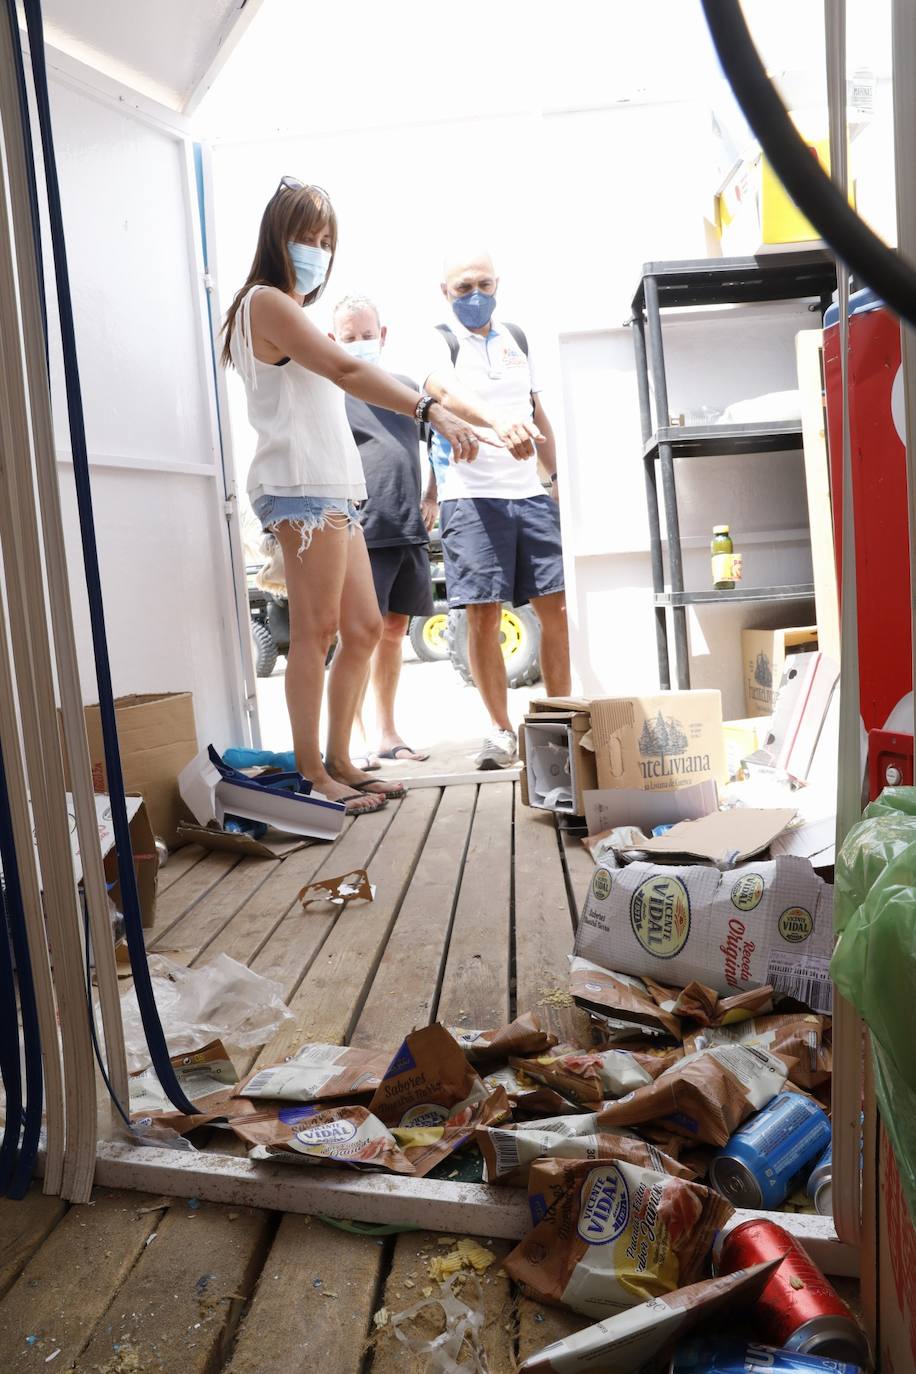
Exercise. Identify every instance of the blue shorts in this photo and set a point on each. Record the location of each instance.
(306, 514)
(498, 550)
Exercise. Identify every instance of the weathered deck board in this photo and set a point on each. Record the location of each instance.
(24, 1226)
(176, 900)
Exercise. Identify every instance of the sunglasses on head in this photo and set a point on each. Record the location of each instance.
(293, 184)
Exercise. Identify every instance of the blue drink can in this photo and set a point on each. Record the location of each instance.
(761, 1160)
(726, 1356)
(820, 1183)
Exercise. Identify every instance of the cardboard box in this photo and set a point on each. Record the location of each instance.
(763, 654)
(561, 731)
(157, 738)
(146, 860)
(654, 743)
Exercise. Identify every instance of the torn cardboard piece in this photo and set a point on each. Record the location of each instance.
(725, 838)
(349, 887)
(273, 845)
(610, 808)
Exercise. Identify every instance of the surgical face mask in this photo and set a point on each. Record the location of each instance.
(475, 309)
(310, 265)
(369, 350)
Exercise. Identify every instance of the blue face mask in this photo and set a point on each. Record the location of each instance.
(369, 350)
(310, 265)
(475, 309)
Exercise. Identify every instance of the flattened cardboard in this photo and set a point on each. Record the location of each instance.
(274, 845)
(157, 737)
(726, 836)
(657, 743)
(605, 810)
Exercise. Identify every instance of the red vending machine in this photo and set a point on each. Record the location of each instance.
(877, 429)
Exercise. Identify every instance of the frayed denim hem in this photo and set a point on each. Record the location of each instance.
(328, 520)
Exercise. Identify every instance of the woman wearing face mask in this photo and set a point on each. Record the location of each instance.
(306, 476)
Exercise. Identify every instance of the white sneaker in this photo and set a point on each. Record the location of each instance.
(499, 750)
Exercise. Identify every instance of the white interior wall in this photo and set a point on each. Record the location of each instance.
(147, 393)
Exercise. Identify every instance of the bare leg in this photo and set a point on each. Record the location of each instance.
(551, 612)
(386, 673)
(315, 580)
(487, 666)
(360, 628)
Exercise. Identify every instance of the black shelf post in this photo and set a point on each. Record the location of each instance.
(655, 535)
(704, 282)
(669, 490)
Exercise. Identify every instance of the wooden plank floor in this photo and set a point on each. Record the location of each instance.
(473, 920)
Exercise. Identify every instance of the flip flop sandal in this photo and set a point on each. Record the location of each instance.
(411, 755)
(354, 805)
(364, 763)
(391, 791)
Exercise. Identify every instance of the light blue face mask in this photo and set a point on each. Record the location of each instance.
(310, 265)
(369, 350)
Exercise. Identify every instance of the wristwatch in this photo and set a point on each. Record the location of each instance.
(424, 406)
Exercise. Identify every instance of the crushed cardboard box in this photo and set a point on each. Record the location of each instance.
(157, 737)
(727, 837)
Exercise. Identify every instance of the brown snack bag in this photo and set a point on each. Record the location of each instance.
(704, 1006)
(655, 1059)
(521, 1036)
(433, 1100)
(609, 1235)
(800, 1039)
(704, 1097)
(338, 1135)
(525, 1095)
(587, 1077)
(509, 1151)
(316, 1073)
(597, 989)
(427, 1146)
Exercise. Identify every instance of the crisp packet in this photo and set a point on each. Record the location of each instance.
(635, 1339)
(600, 990)
(588, 1077)
(800, 1039)
(521, 1036)
(509, 1151)
(704, 1097)
(318, 1072)
(338, 1135)
(432, 1099)
(202, 1074)
(701, 1004)
(525, 1095)
(609, 1235)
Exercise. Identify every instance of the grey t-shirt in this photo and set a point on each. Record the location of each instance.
(389, 448)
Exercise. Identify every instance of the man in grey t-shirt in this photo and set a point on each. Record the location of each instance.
(395, 521)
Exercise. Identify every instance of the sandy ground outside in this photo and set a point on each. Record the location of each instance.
(436, 711)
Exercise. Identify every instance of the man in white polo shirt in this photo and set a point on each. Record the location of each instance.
(500, 529)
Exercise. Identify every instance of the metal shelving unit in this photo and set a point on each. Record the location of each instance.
(706, 281)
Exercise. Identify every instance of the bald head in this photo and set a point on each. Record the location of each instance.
(456, 265)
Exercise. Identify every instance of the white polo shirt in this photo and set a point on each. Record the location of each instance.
(498, 371)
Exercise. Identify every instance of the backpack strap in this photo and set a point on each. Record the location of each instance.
(451, 338)
(518, 335)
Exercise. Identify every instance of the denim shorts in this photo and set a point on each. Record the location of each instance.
(307, 514)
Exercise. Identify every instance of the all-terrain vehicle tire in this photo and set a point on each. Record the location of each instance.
(520, 633)
(429, 634)
(265, 650)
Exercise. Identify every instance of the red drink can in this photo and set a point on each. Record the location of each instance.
(798, 1309)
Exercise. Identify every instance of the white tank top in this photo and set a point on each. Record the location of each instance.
(305, 444)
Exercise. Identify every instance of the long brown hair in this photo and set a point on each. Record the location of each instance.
(288, 216)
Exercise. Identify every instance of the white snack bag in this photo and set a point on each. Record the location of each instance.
(763, 923)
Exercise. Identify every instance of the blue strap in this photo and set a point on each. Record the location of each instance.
(152, 1025)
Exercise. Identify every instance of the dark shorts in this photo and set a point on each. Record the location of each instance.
(499, 550)
(403, 583)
